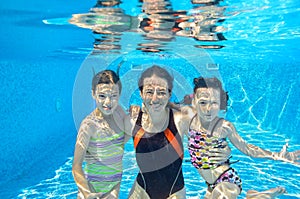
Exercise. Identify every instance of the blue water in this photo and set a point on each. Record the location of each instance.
(42, 66)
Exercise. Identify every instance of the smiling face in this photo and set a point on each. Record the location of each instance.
(207, 103)
(107, 97)
(155, 94)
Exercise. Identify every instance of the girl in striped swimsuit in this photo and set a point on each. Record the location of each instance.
(100, 142)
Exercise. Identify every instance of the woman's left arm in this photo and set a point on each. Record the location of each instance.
(182, 119)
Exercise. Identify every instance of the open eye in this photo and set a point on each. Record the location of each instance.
(162, 93)
(202, 103)
(149, 92)
(114, 96)
(101, 96)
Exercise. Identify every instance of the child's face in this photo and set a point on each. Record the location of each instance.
(207, 103)
(155, 94)
(107, 97)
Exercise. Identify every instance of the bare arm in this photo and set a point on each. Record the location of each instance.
(133, 113)
(81, 146)
(119, 117)
(284, 155)
(128, 128)
(183, 119)
(257, 152)
(242, 145)
(129, 121)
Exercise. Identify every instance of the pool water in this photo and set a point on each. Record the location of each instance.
(46, 64)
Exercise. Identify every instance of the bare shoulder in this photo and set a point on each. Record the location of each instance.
(182, 119)
(185, 113)
(188, 111)
(119, 112)
(227, 126)
(88, 124)
(87, 129)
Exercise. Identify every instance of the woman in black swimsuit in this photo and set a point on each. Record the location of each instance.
(157, 141)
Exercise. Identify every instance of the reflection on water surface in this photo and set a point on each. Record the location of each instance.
(157, 23)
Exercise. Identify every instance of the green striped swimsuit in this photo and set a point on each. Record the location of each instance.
(104, 155)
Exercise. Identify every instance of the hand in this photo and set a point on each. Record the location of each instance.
(174, 106)
(220, 155)
(284, 155)
(94, 196)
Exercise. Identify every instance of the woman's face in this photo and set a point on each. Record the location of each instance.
(207, 103)
(107, 97)
(155, 94)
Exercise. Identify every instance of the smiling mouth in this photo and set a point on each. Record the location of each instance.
(107, 108)
(155, 106)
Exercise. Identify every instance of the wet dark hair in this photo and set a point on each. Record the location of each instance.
(213, 82)
(159, 72)
(106, 77)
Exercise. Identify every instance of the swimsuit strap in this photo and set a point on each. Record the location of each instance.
(168, 134)
(213, 129)
(139, 119)
(139, 134)
(174, 142)
(192, 121)
(138, 137)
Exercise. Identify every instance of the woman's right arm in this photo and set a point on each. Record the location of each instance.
(82, 142)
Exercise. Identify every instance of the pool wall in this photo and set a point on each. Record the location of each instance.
(37, 75)
(265, 95)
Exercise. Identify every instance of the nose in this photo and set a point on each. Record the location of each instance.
(208, 108)
(107, 100)
(154, 97)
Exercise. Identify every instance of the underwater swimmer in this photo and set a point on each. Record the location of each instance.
(100, 142)
(207, 131)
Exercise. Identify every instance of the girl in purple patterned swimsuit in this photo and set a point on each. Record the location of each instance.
(207, 132)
